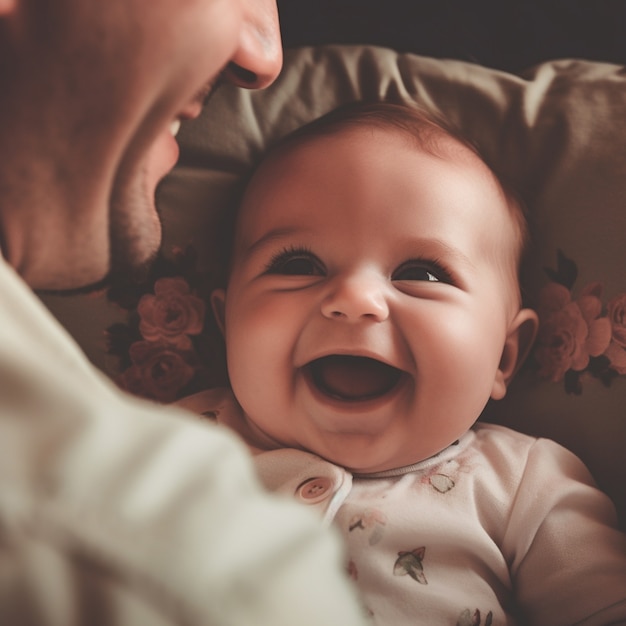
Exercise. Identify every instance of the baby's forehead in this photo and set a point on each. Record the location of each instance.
(288, 162)
(356, 140)
(294, 159)
(360, 139)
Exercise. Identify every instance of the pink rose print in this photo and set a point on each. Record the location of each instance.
(570, 331)
(616, 351)
(171, 314)
(168, 346)
(579, 337)
(158, 371)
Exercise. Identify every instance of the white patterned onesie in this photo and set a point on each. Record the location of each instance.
(499, 528)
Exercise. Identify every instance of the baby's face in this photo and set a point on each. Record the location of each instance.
(370, 299)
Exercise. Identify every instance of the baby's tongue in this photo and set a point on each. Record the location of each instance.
(353, 377)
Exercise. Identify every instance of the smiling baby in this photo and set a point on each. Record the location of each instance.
(372, 309)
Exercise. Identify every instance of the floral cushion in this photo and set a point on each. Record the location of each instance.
(557, 132)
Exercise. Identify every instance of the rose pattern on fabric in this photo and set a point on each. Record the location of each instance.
(159, 371)
(616, 352)
(571, 331)
(170, 346)
(578, 336)
(171, 314)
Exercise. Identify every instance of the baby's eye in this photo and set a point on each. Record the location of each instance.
(416, 270)
(296, 262)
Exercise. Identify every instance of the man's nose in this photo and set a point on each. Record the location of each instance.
(259, 55)
(355, 298)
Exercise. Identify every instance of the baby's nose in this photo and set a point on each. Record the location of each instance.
(356, 298)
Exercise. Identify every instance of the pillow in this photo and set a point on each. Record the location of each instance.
(556, 132)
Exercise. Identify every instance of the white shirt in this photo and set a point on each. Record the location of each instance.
(118, 511)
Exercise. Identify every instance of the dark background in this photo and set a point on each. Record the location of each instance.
(503, 34)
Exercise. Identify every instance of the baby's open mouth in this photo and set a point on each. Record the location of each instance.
(353, 378)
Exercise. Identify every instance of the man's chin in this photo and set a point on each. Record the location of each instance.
(135, 240)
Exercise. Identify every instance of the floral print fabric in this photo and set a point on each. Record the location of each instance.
(580, 336)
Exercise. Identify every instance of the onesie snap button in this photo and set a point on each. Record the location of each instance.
(314, 489)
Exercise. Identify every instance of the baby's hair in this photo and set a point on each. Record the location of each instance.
(426, 127)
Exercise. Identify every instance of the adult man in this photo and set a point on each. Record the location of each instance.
(113, 511)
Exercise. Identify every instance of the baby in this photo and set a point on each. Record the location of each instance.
(371, 311)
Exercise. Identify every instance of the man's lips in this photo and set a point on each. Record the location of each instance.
(353, 378)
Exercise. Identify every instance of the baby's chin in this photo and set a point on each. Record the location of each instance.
(373, 458)
(362, 459)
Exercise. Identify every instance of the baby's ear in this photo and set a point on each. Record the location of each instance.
(218, 304)
(522, 333)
